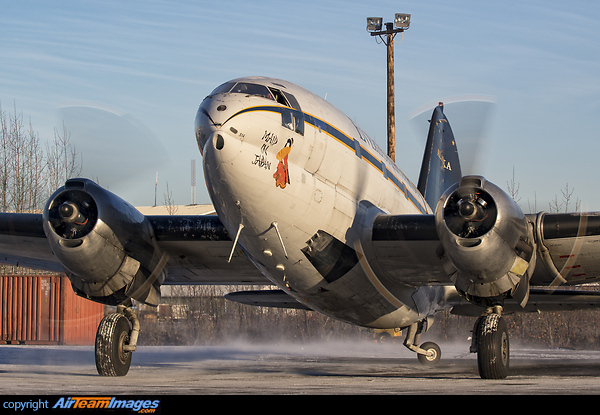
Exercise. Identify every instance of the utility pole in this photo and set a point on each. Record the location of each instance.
(193, 180)
(391, 108)
(374, 25)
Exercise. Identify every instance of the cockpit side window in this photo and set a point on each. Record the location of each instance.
(279, 97)
(292, 101)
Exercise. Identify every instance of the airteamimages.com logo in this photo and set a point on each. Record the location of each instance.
(141, 406)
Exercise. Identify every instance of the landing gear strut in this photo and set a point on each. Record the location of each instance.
(116, 339)
(490, 342)
(429, 353)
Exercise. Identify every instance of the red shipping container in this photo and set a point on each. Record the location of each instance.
(41, 309)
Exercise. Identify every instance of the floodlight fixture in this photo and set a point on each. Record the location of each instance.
(387, 35)
(374, 23)
(402, 20)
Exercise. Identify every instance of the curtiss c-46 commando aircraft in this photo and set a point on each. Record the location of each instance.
(308, 202)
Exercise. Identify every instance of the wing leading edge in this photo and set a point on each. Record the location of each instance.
(406, 249)
(197, 246)
(23, 242)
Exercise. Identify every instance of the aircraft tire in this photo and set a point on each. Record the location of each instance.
(493, 348)
(112, 335)
(384, 337)
(433, 359)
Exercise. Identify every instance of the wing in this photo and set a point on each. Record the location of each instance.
(569, 246)
(197, 247)
(406, 249)
(23, 242)
(564, 249)
(541, 300)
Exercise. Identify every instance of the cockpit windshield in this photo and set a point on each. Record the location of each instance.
(244, 88)
(292, 118)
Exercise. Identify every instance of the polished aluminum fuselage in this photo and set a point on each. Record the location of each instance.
(284, 184)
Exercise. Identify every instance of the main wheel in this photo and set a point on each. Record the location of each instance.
(433, 356)
(493, 349)
(112, 335)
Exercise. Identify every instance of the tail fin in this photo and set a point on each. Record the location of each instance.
(441, 167)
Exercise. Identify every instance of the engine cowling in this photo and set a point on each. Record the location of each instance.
(106, 246)
(487, 241)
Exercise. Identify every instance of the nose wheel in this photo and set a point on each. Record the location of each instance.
(116, 340)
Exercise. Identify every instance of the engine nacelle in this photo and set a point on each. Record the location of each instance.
(486, 238)
(106, 246)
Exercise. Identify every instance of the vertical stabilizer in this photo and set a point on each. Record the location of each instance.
(441, 166)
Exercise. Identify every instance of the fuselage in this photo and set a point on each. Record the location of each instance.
(304, 182)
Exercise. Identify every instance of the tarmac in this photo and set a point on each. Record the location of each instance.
(292, 369)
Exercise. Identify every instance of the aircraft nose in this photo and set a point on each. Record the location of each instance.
(224, 147)
(210, 116)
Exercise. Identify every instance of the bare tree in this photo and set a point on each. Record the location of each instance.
(533, 208)
(21, 175)
(554, 205)
(62, 159)
(28, 174)
(567, 195)
(169, 202)
(513, 188)
(4, 158)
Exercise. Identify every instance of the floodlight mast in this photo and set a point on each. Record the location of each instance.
(374, 25)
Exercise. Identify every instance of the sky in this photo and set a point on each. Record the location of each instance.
(126, 79)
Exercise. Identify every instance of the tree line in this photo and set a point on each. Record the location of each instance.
(200, 315)
(30, 170)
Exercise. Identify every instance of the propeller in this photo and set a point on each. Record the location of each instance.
(469, 116)
(113, 148)
(73, 214)
(470, 212)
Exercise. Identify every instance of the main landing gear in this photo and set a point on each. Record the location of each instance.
(490, 342)
(116, 340)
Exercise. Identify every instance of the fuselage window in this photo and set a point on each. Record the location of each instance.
(294, 120)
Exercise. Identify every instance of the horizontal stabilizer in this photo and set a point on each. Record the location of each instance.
(541, 300)
(266, 298)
